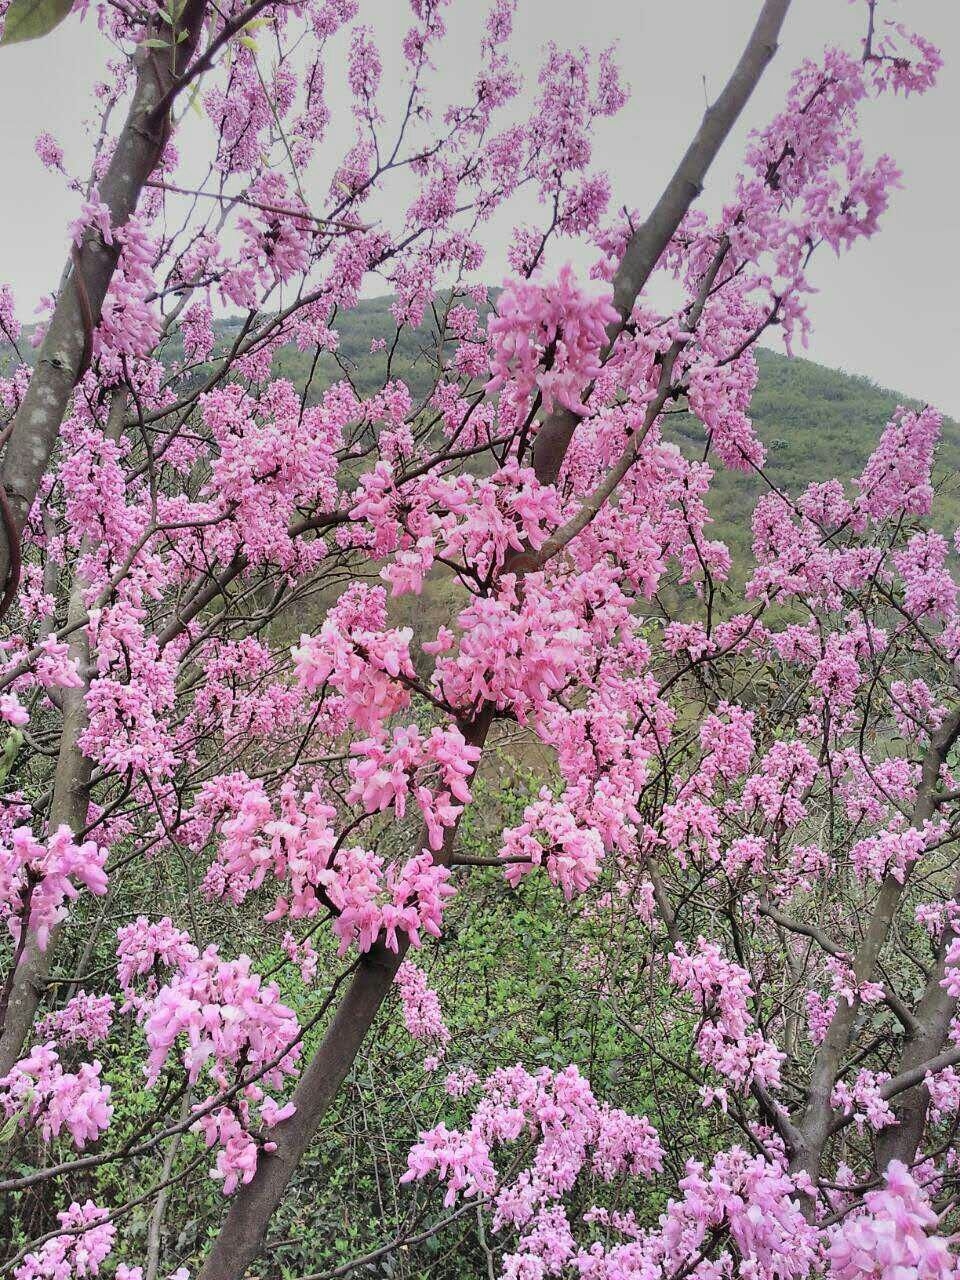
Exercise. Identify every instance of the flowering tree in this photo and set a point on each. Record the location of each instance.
(758, 799)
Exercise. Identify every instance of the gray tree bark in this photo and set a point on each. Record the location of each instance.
(65, 349)
(68, 805)
(817, 1119)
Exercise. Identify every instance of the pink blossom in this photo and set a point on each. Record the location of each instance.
(548, 336)
(85, 1019)
(36, 879)
(893, 1236)
(89, 1240)
(37, 1089)
(422, 1015)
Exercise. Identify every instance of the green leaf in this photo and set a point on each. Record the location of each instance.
(154, 43)
(193, 103)
(9, 755)
(29, 19)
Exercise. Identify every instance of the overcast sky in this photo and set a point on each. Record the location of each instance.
(888, 309)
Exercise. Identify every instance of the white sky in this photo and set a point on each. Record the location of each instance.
(888, 309)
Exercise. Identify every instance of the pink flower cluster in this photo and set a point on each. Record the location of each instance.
(218, 1016)
(85, 1019)
(144, 950)
(473, 521)
(896, 479)
(893, 851)
(416, 893)
(570, 1133)
(779, 787)
(228, 1018)
(229, 1130)
(745, 1208)
(13, 711)
(548, 337)
(78, 1253)
(746, 1201)
(366, 896)
(951, 980)
(893, 1237)
(252, 490)
(272, 456)
(550, 836)
(515, 651)
(422, 1015)
(360, 657)
(38, 1091)
(386, 769)
(37, 879)
(864, 1100)
(726, 1041)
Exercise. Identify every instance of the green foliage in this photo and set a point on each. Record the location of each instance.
(30, 19)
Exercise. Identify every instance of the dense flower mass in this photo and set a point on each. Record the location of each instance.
(669, 820)
(549, 337)
(37, 879)
(39, 1090)
(568, 1127)
(87, 1239)
(895, 1235)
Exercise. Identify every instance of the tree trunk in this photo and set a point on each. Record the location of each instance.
(68, 804)
(818, 1113)
(934, 1013)
(88, 272)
